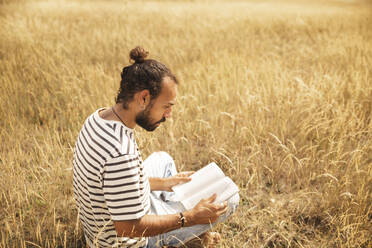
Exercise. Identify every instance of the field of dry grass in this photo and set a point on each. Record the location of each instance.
(278, 94)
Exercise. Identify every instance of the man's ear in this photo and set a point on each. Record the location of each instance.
(143, 98)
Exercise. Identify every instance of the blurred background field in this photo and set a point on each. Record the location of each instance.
(277, 93)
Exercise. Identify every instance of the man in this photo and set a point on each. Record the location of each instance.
(122, 201)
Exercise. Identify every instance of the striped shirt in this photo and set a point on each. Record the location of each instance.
(109, 181)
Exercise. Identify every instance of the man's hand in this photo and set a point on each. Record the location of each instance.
(205, 212)
(166, 184)
(182, 177)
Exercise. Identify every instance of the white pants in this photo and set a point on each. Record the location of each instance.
(161, 164)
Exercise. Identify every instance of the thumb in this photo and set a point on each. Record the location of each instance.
(212, 198)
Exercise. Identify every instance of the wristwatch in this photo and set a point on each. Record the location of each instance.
(182, 220)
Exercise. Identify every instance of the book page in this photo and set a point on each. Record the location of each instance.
(230, 189)
(224, 188)
(200, 179)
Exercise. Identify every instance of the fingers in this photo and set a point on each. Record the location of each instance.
(208, 209)
(212, 198)
(189, 173)
(221, 205)
(185, 173)
(182, 179)
(220, 208)
(222, 211)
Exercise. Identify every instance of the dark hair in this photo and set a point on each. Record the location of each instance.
(143, 74)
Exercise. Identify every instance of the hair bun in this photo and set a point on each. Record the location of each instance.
(138, 54)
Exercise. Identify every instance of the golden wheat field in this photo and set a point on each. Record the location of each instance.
(278, 93)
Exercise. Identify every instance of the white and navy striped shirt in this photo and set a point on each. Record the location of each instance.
(109, 181)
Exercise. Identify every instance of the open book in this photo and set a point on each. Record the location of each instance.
(205, 182)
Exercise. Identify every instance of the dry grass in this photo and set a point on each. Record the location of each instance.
(280, 95)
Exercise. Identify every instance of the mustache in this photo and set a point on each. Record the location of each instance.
(162, 120)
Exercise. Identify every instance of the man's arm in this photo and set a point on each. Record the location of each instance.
(205, 212)
(157, 183)
(148, 225)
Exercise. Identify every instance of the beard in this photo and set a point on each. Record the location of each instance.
(144, 120)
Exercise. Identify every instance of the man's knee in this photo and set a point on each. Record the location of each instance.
(159, 158)
(164, 156)
(160, 164)
(233, 202)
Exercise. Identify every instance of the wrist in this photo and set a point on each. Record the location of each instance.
(189, 218)
(165, 183)
(158, 184)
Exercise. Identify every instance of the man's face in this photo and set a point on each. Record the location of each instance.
(160, 108)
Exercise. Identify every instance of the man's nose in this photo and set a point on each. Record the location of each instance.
(168, 114)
